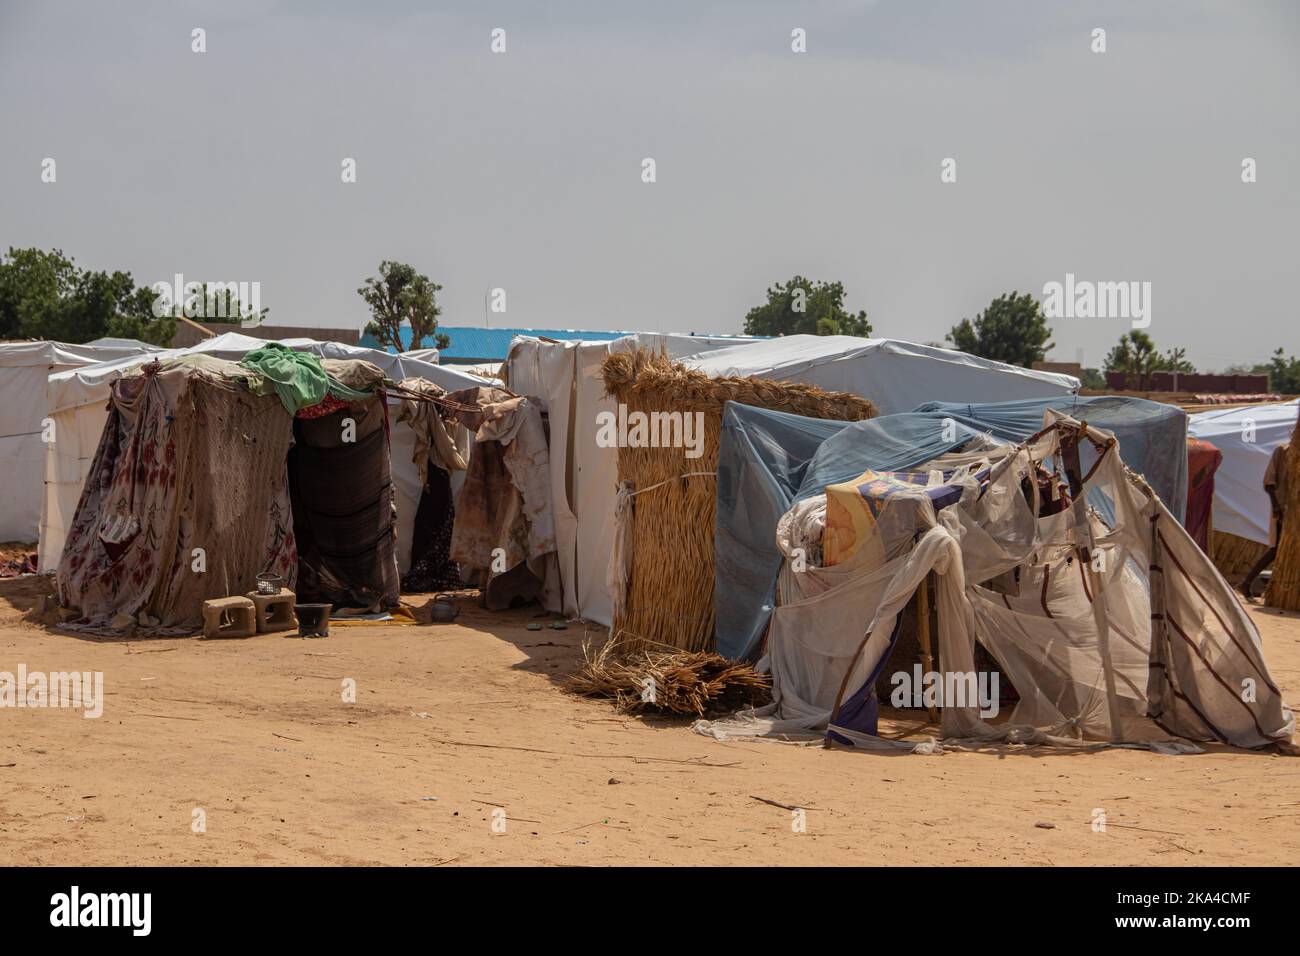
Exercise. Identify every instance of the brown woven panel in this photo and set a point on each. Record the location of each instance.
(670, 597)
(1284, 589)
(1234, 555)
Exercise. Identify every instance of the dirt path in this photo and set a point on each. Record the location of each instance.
(452, 721)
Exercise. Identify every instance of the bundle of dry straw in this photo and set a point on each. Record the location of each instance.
(668, 682)
(1234, 555)
(669, 599)
(1284, 588)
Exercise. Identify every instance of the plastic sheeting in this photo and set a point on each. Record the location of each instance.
(768, 460)
(896, 375)
(1152, 436)
(1114, 633)
(1247, 437)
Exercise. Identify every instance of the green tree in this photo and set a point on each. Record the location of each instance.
(1283, 374)
(1013, 329)
(1137, 357)
(43, 295)
(1093, 379)
(402, 295)
(217, 302)
(804, 307)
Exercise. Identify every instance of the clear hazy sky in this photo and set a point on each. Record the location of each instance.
(522, 170)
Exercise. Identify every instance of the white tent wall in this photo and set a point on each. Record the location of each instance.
(24, 367)
(546, 372)
(897, 376)
(1247, 437)
(76, 400)
(567, 377)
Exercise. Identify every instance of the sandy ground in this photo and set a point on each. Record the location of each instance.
(453, 721)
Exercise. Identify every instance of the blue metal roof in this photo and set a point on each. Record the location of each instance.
(470, 344)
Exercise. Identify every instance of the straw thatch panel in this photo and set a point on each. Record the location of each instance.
(1284, 589)
(1234, 555)
(670, 595)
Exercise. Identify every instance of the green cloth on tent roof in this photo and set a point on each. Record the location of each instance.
(298, 377)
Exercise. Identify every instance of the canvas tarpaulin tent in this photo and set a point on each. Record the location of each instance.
(76, 400)
(24, 368)
(897, 376)
(1114, 631)
(566, 378)
(768, 461)
(1247, 437)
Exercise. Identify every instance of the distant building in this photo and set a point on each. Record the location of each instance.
(187, 335)
(1199, 382)
(1063, 368)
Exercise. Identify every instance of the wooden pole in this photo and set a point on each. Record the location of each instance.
(923, 633)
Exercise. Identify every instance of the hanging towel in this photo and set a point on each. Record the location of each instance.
(299, 378)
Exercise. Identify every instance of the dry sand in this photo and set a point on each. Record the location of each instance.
(453, 721)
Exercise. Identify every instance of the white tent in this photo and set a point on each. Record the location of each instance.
(22, 409)
(1247, 437)
(897, 376)
(566, 376)
(77, 398)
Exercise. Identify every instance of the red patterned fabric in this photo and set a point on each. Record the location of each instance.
(187, 499)
(1203, 461)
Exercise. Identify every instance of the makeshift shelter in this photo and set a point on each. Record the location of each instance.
(1284, 585)
(24, 367)
(1113, 626)
(566, 378)
(76, 401)
(661, 565)
(768, 462)
(194, 490)
(437, 457)
(1247, 436)
(897, 376)
(504, 529)
(1153, 435)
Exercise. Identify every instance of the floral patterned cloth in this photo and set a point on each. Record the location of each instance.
(186, 500)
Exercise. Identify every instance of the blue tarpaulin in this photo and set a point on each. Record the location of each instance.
(768, 460)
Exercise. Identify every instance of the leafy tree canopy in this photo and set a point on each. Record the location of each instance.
(1283, 374)
(44, 295)
(403, 296)
(1138, 358)
(1013, 329)
(804, 307)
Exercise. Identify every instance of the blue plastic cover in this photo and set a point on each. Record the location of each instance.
(1152, 436)
(768, 460)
